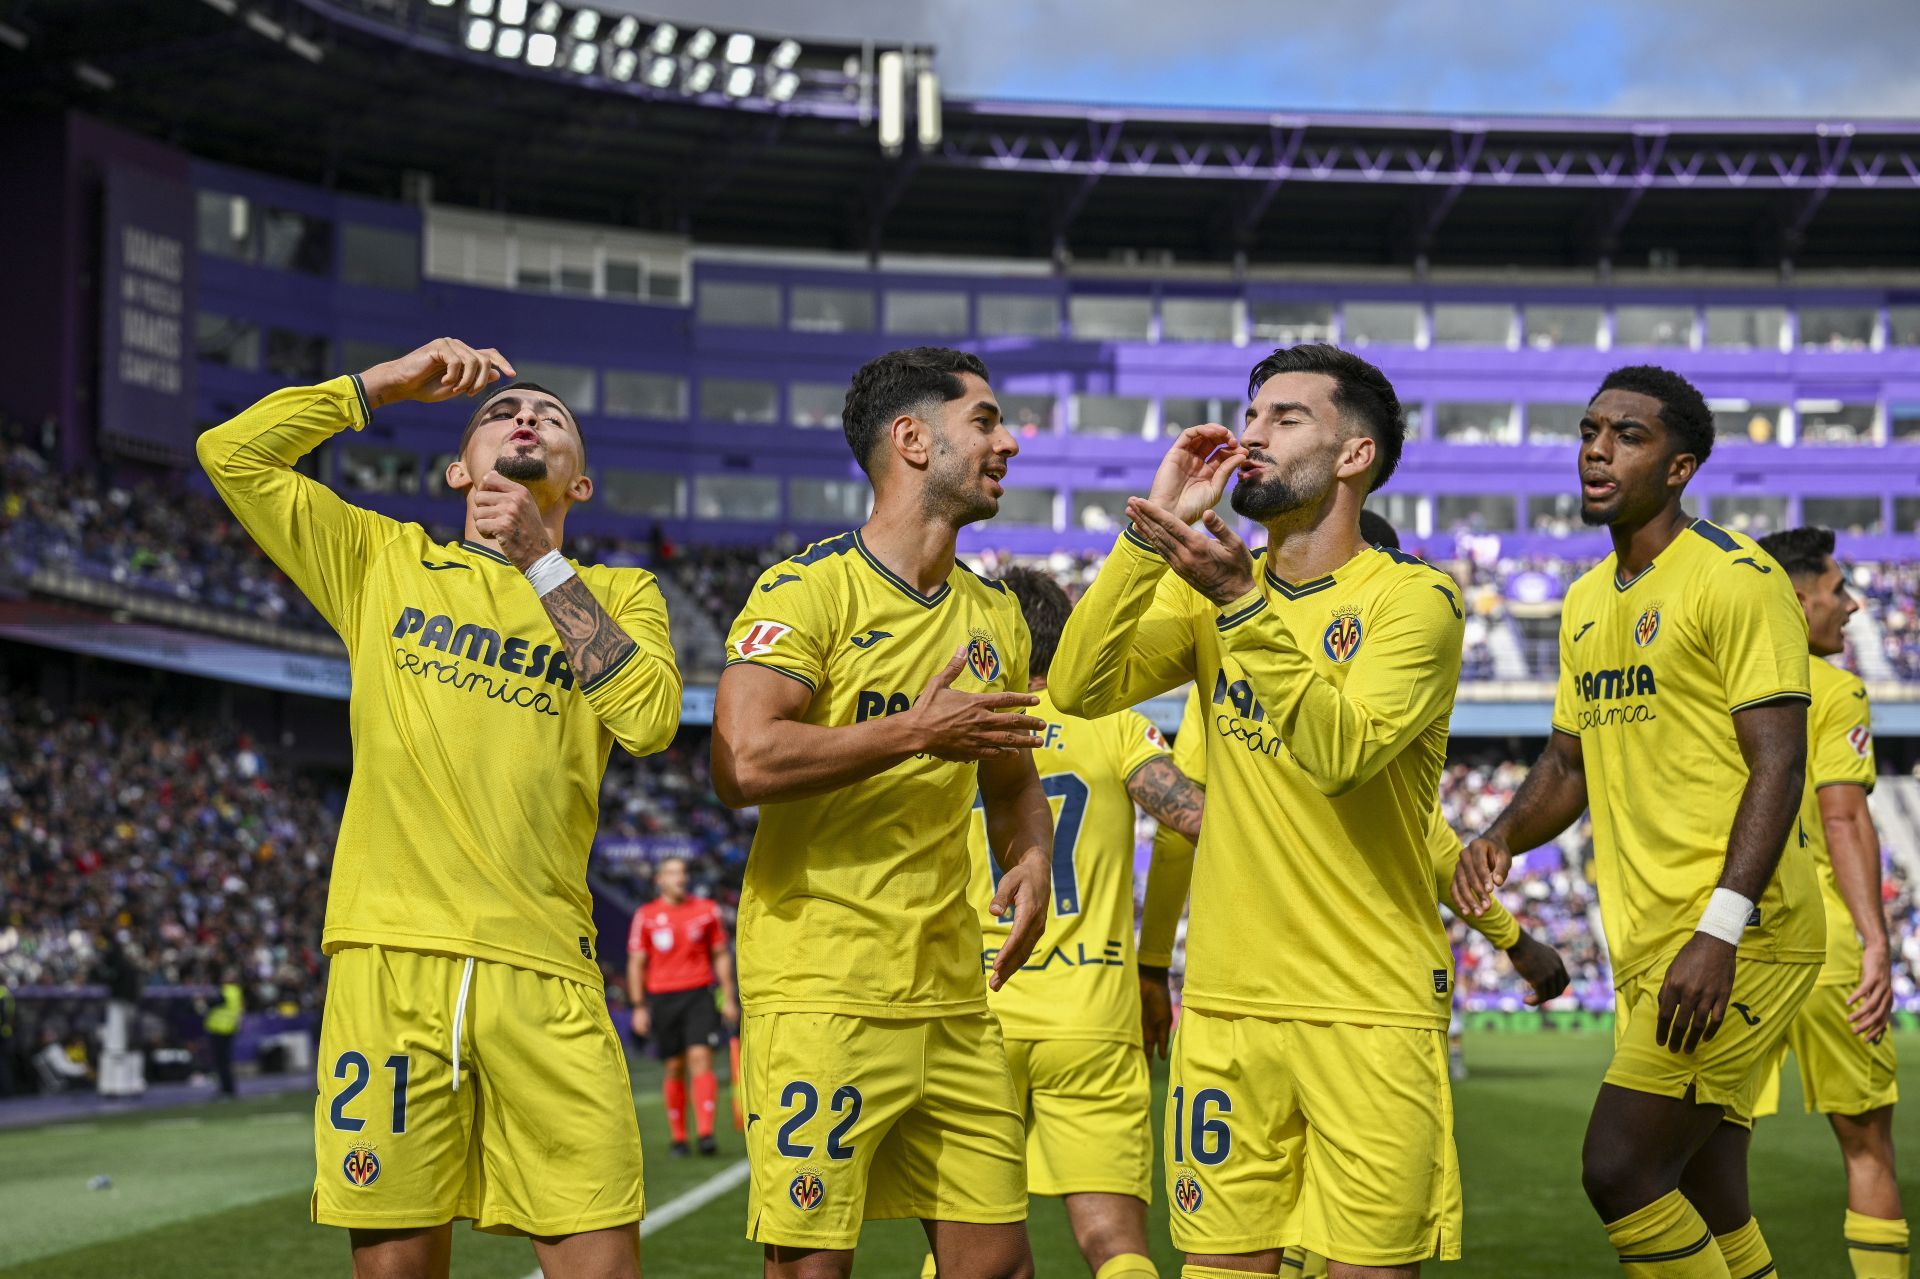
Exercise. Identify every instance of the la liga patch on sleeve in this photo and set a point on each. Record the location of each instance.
(760, 637)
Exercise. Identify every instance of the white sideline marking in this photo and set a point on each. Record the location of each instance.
(685, 1205)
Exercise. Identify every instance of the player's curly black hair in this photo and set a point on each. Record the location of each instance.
(1803, 552)
(1684, 410)
(1045, 606)
(1359, 390)
(899, 382)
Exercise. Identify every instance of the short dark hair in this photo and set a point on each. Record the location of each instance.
(1358, 388)
(899, 382)
(1045, 606)
(1376, 529)
(1803, 552)
(516, 388)
(1682, 407)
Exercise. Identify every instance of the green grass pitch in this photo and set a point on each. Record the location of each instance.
(214, 1191)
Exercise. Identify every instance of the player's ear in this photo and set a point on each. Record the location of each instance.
(582, 488)
(1680, 469)
(1356, 457)
(911, 439)
(457, 477)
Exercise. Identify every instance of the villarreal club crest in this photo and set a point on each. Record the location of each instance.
(1647, 627)
(983, 659)
(1342, 638)
(1186, 1193)
(361, 1166)
(807, 1189)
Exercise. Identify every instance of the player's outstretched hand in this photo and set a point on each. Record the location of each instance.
(1693, 998)
(1026, 890)
(440, 370)
(1871, 1003)
(1195, 471)
(1219, 567)
(1483, 867)
(1156, 1010)
(1539, 965)
(967, 727)
(505, 512)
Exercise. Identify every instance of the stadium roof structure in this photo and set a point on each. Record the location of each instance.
(356, 94)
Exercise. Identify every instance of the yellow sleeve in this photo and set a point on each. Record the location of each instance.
(1566, 698)
(1497, 925)
(784, 625)
(1129, 638)
(1190, 744)
(1756, 634)
(318, 540)
(1840, 737)
(1168, 876)
(1136, 741)
(1403, 675)
(639, 699)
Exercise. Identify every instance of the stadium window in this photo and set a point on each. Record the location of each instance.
(1906, 514)
(1743, 422)
(1553, 325)
(1555, 513)
(838, 502)
(649, 493)
(220, 339)
(623, 279)
(818, 310)
(1474, 512)
(1476, 422)
(1472, 324)
(741, 305)
(1128, 415)
(666, 286)
(534, 265)
(1197, 320)
(377, 470)
(574, 279)
(573, 383)
(301, 358)
(1290, 323)
(357, 354)
(1027, 414)
(1754, 516)
(1831, 422)
(1903, 423)
(815, 404)
(1026, 507)
(662, 396)
(1836, 328)
(1653, 326)
(225, 226)
(1100, 510)
(1746, 328)
(926, 313)
(1102, 318)
(1177, 413)
(435, 479)
(1380, 324)
(1402, 510)
(379, 258)
(736, 497)
(1853, 516)
(738, 399)
(1019, 315)
(295, 242)
(1903, 326)
(1554, 423)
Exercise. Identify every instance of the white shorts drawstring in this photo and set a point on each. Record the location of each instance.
(460, 1017)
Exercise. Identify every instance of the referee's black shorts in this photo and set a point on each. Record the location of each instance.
(681, 1018)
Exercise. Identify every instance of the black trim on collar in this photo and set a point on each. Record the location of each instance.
(906, 588)
(1302, 590)
(487, 551)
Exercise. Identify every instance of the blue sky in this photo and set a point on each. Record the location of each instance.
(1830, 58)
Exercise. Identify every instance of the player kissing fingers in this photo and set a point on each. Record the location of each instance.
(1194, 472)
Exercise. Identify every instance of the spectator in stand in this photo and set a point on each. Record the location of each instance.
(222, 1024)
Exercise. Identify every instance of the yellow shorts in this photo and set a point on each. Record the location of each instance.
(1728, 1069)
(537, 1136)
(1840, 1073)
(853, 1119)
(1327, 1136)
(1088, 1111)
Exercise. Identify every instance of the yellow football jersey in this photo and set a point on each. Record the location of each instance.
(476, 758)
(1839, 752)
(1325, 728)
(1081, 982)
(855, 901)
(1651, 672)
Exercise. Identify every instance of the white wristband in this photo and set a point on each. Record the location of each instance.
(549, 571)
(1726, 916)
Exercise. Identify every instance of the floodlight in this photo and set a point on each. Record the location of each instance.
(542, 49)
(440, 4)
(583, 58)
(740, 81)
(624, 64)
(700, 79)
(660, 72)
(739, 48)
(511, 43)
(513, 11)
(625, 30)
(785, 54)
(480, 8)
(700, 44)
(661, 41)
(549, 17)
(784, 86)
(586, 24)
(479, 35)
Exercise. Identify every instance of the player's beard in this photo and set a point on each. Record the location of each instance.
(953, 489)
(522, 468)
(1275, 495)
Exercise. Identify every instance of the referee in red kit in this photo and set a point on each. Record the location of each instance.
(676, 954)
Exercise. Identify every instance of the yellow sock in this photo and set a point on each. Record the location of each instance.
(927, 1269)
(1666, 1240)
(1745, 1251)
(1127, 1265)
(1877, 1246)
(1210, 1272)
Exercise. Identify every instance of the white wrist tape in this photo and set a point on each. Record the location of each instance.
(1726, 916)
(549, 571)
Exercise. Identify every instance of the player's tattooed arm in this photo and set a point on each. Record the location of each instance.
(1553, 795)
(594, 641)
(1168, 796)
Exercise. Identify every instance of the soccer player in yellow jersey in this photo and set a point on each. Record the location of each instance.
(468, 1067)
(1840, 1037)
(1681, 721)
(1309, 1102)
(873, 689)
